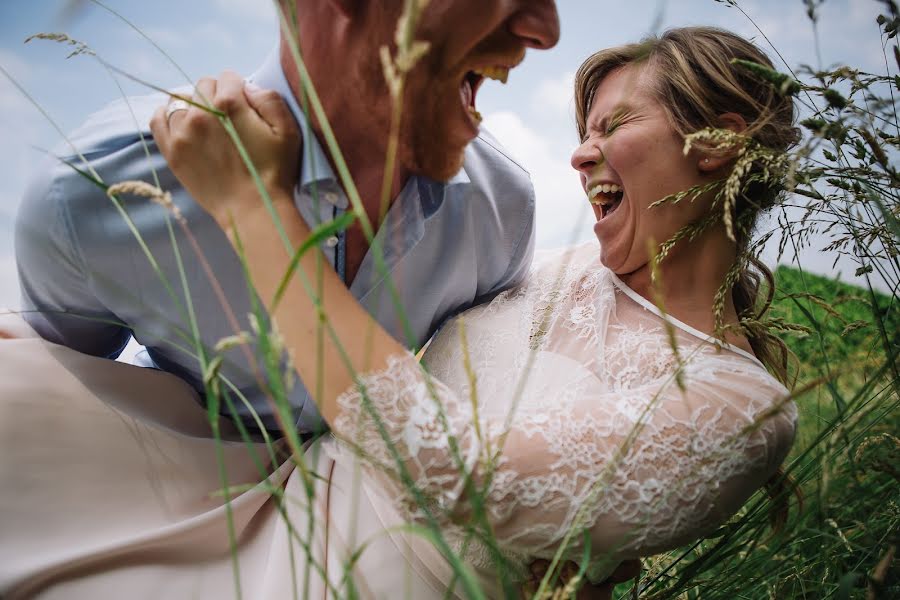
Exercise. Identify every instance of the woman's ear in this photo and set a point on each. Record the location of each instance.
(733, 122)
(713, 162)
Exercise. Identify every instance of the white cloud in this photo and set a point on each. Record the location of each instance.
(166, 38)
(18, 121)
(248, 9)
(206, 38)
(12, 102)
(9, 283)
(22, 125)
(555, 94)
(563, 215)
(15, 65)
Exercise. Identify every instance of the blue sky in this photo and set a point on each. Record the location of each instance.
(532, 115)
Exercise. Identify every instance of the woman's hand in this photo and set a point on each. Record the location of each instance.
(206, 160)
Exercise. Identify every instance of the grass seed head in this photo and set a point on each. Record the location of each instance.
(79, 47)
(147, 190)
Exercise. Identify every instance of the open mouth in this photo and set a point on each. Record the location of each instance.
(606, 196)
(472, 80)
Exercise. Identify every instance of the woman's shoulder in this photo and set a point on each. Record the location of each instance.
(742, 387)
(734, 370)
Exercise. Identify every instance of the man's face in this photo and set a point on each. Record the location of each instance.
(471, 40)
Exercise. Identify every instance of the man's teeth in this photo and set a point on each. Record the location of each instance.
(606, 188)
(500, 74)
(474, 114)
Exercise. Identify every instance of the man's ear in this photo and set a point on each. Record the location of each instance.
(713, 162)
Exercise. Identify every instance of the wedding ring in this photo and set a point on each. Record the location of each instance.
(174, 107)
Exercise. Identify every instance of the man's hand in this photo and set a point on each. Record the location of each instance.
(626, 571)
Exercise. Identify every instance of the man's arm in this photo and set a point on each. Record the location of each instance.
(57, 296)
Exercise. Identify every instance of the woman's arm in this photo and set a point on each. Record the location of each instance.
(204, 159)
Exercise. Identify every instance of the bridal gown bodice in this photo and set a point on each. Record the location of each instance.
(575, 405)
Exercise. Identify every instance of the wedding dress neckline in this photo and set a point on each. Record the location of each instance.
(622, 286)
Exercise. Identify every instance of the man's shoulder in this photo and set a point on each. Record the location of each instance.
(105, 145)
(486, 146)
(494, 171)
(113, 144)
(121, 122)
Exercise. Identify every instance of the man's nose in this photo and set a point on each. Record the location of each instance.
(536, 23)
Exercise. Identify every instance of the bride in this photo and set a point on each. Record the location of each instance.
(570, 418)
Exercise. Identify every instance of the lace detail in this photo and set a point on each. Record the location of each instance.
(575, 422)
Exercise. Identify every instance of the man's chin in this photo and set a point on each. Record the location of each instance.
(436, 148)
(440, 166)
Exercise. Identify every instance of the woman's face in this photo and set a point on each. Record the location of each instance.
(629, 158)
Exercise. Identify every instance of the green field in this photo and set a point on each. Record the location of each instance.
(841, 540)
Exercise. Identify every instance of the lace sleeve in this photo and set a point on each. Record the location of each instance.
(642, 471)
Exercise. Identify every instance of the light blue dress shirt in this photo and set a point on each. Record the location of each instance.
(88, 284)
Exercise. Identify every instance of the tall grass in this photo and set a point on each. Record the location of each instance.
(844, 460)
(843, 184)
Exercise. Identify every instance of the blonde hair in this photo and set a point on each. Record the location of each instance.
(696, 83)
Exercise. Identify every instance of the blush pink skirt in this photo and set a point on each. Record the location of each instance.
(111, 485)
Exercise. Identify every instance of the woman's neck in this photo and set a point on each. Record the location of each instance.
(689, 280)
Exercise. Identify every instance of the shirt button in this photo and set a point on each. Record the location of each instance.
(331, 242)
(331, 197)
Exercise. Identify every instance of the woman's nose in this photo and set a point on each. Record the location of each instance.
(587, 157)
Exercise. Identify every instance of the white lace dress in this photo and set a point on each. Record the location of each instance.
(574, 418)
(581, 409)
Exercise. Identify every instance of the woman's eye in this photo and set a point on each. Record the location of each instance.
(614, 124)
(615, 121)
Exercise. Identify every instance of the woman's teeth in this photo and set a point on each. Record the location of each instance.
(601, 194)
(607, 196)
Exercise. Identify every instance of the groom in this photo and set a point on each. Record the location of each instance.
(458, 230)
(459, 226)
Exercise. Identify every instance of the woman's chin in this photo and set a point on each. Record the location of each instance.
(610, 261)
(612, 258)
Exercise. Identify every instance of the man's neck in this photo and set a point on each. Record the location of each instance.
(362, 138)
(376, 201)
(362, 143)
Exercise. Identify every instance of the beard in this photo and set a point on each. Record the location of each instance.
(434, 129)
(434, 155)
(432, 142)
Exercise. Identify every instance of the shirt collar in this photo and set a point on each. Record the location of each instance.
(315, 166)
(460, 177)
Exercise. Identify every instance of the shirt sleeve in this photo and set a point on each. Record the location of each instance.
(57, 296)
(640, 471)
